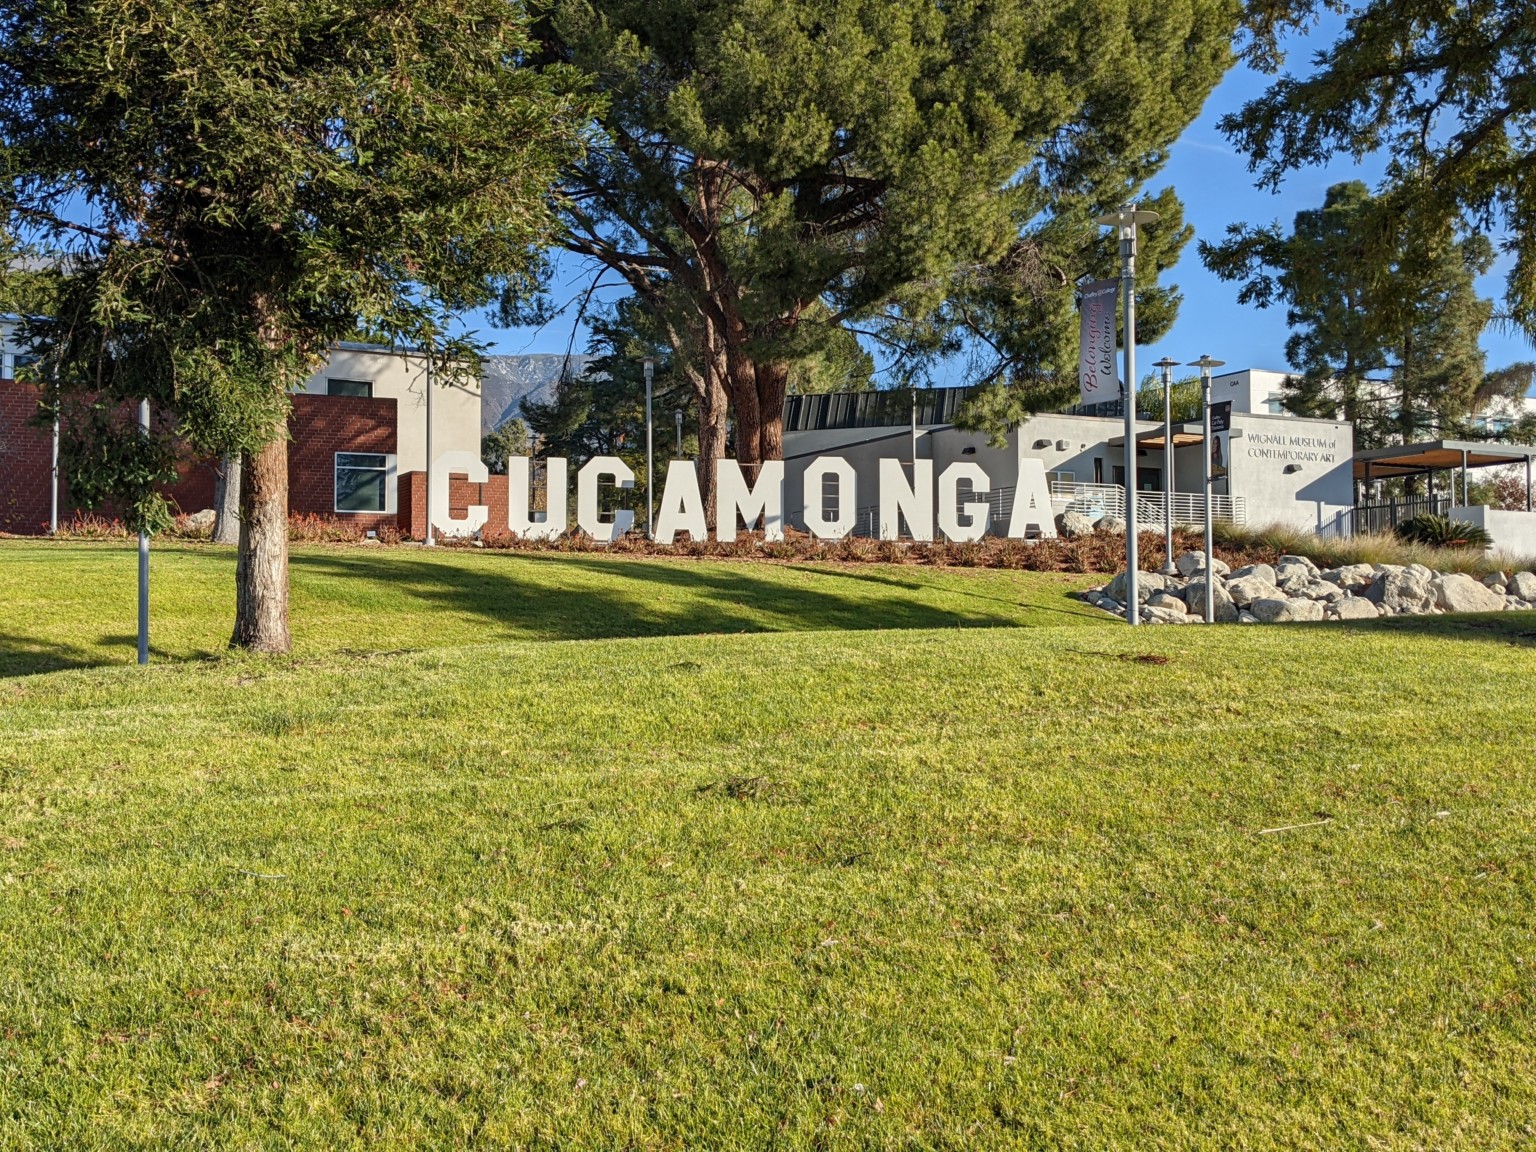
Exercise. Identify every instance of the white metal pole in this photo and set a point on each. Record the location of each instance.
(429, 540)
(1205, 364)
(1128, 290)
(677, 415)
(1167, 365)
(650, 452)
(1125, 222)
(1205, 454)
(53, 471)
(144, 558)
(53, 495)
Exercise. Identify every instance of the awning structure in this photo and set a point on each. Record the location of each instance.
(1437, 456)
(1184, 436)
(1443, 456)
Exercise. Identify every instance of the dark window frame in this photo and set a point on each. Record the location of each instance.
(352, 466)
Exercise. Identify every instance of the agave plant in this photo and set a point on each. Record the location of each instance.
(1443, 532)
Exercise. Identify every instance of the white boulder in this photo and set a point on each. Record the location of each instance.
(1458, 592)
(1353, 608)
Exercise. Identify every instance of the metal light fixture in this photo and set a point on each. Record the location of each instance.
(1125, 222)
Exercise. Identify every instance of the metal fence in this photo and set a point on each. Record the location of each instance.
(1151, 507)
(1384, 516)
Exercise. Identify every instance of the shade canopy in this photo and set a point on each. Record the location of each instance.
(1437, 456)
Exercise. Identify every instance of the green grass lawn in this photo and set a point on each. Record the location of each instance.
(75, 605)
(572, 876)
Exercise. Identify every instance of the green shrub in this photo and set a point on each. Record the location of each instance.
(1443, 532)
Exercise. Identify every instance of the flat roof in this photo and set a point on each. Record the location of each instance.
(1438, 456)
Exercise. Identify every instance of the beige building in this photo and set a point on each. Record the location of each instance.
(401, 375)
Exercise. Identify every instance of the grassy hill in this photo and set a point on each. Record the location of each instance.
(583, 872)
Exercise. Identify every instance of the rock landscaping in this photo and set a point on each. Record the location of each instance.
(1295, 589)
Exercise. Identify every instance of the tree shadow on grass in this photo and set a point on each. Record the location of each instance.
(575, 597)
(27, 656)
(1068, 607)
(1518, 628)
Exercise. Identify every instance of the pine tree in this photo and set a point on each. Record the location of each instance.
(759, 158)
(1384, 337)
(236, 187)
(1443, 90)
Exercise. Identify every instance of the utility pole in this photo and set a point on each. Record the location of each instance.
(1125, 223)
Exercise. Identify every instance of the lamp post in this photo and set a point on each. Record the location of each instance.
(1125, 223)
(1167, 364)
(429, 542)
(1205, 364)
(53, 474)
(677, 415)
(650, 450)
(143, 557)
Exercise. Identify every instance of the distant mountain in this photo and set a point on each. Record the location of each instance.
(509, 380)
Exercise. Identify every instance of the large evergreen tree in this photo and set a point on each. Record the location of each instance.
(237, 186)
(759, 158)
(1384, 335)
(1444, 89)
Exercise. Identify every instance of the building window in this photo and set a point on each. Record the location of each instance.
(1061, 481)
(334, 387)
(362, 482)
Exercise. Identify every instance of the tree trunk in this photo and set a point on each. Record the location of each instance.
(261, 573)
(712, 431)
(226, 500)
(772, 384)
(742, 383)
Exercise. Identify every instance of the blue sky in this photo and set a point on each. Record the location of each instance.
(1217, 190)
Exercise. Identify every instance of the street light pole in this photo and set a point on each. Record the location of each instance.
(650, 451)
(429, 542)
(1205, 364)
(1125, 223)
(1167, 364)
(143, 557)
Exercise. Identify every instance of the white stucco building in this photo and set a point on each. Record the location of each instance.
(1282, 469)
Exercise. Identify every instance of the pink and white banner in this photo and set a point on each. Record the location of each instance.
(1097, 381)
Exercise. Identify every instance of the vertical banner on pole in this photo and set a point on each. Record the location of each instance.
(1221, 439)
(1097, 383)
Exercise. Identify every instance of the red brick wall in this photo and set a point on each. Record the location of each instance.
(26, 462)
(322, 426)
(319, 427)
(412, 521)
